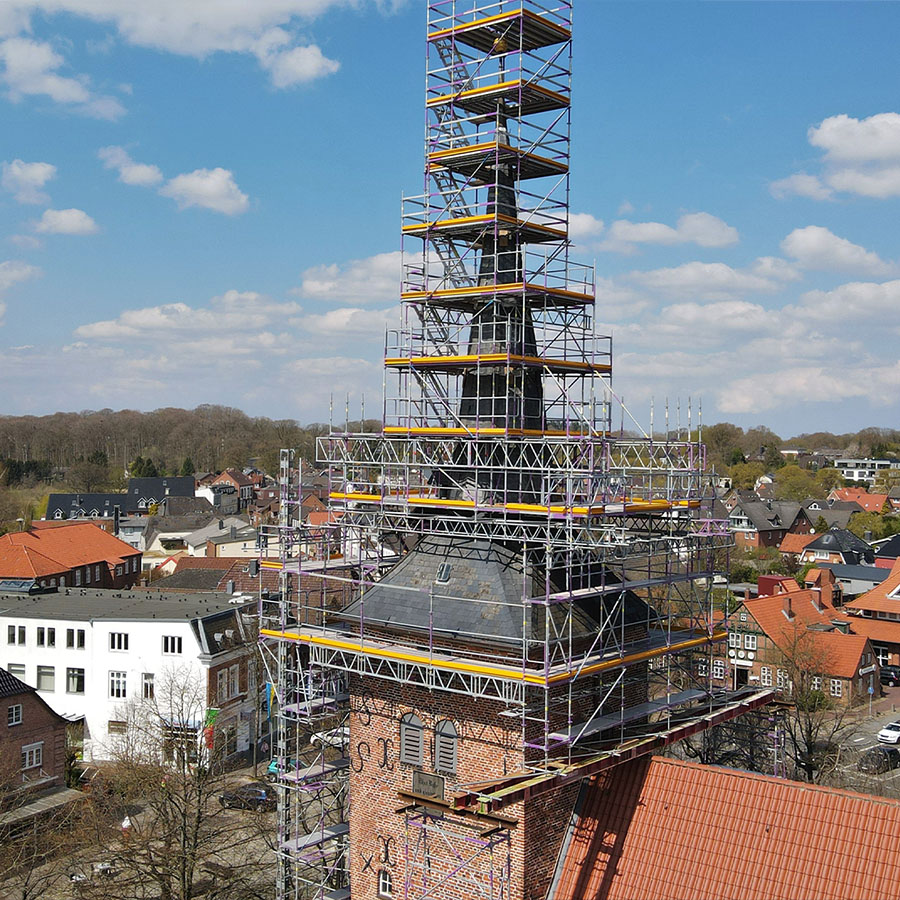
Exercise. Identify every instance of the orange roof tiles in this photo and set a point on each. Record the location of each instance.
(65, 548)
(672, 830)
(840, 653)
(25, 562)
(879, 598)
(796, 543)
(869, 502)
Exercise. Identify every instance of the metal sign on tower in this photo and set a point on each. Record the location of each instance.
(509, 595)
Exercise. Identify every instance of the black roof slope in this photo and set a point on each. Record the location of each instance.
(10, 686)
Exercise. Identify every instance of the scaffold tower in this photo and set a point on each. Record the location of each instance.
(509, 595)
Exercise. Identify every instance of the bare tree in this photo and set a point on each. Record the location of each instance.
(179, 842)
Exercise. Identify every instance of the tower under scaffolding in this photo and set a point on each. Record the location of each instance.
(509, 596)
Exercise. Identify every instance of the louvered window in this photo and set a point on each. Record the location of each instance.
(412, 735)
(445, 743)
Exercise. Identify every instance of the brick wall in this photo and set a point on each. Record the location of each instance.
(39, 724)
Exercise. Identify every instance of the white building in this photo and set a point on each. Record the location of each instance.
(865, 470)
(91, 652)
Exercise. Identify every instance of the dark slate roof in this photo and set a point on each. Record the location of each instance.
(72, 506)
(10, 686)
(482, 600)
(874, 574)
(770, 515)
(154, 489)
(85, 604)
(185, 506)
(891, 549)
(839, 540)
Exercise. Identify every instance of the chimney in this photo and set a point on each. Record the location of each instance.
(746, 594)
(221, 524)
(233, 532)
(116, 515)
(787, 608)
(842, 627)
(229, 587)
(826, 583)
(867, 536)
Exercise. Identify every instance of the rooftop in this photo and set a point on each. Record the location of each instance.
(674, 830)
(84, 604)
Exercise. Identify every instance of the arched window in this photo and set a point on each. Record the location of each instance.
(412, 734)
(385, 883)
(446, 739)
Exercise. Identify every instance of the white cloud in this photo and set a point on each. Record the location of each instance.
(361, 281)
(266, 29)
(771, 267)
(706, 281)
(701, 228)
(871, 302)
(818, 248)
(584, 225)
(862, 156)
(129, 171)
(213, 189)
(25, 180)
(299, 65)
(845, 139)
(350, 321)
(800, 185)
(66, 221)
(26, 241)
(625, 208)
(714, 319)
(30, 69)
(13, 271)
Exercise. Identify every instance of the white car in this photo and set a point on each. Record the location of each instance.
(890, 734)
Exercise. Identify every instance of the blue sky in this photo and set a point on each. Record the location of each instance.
(199, 202)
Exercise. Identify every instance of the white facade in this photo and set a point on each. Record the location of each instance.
(864, 470)
(92, 667)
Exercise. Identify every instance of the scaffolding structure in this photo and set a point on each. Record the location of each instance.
(597, 550)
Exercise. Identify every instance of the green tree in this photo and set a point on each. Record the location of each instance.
(187, 467)
(87, 476)
(828, 479)
(820, 526)
(98, 458)
(744, 475)
(794, 483)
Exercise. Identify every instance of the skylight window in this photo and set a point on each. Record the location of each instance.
(443, 574)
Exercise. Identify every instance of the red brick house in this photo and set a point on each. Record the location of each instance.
(240, 482)
(877, 615)
(32, 737)
(877, 503)
(758, 524)
(76, 555)
(796, 633)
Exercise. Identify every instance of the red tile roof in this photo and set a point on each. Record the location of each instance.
(840, 653)
(879, 599)
(796, 543)
(869, 502)
(66, 548)
(25, 562)
(672, 830)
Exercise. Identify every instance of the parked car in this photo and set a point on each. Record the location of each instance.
(336, 737)
(253, 795)
(890, 734)
(879, 759)
(890, 675)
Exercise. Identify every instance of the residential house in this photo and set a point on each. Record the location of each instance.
(667, 829)
(220, 574)
(223, 498)
(793, 633)
(836, 513)
(894, 498)
(877, 503)
(888, 552)
(240, 482)
(166, 534)
(863, 469)
(146, 492)
(196, 542)
(876, 613)
(242, 542)
(32, 737)
(856, 580)
(85, 506)
(90, 653)
(78, 554)
(837, 545)
(795, 544)
(765, 523)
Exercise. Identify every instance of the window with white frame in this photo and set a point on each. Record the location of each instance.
(750, 641)
(17, 670)
(21, 640)
(10, 634)
(385, 884)
(148, 685)
(412, 734)
(703, 667)
(14, 714)
(32, 755)
(234, 680)
(765, 676)
(118, 640)
(836, 687)
(734, 640)
(718, 668)
(816, 683)
(39, 638)
(118, 687)
(446, 741)
(781, 679)
(78, 578)
(46, 678)
(171, 645)
(74, 681)
(116, 726)
(883, 654)
(97, 574)
(87, 574)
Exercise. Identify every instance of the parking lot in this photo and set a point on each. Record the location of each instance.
(885, 710)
